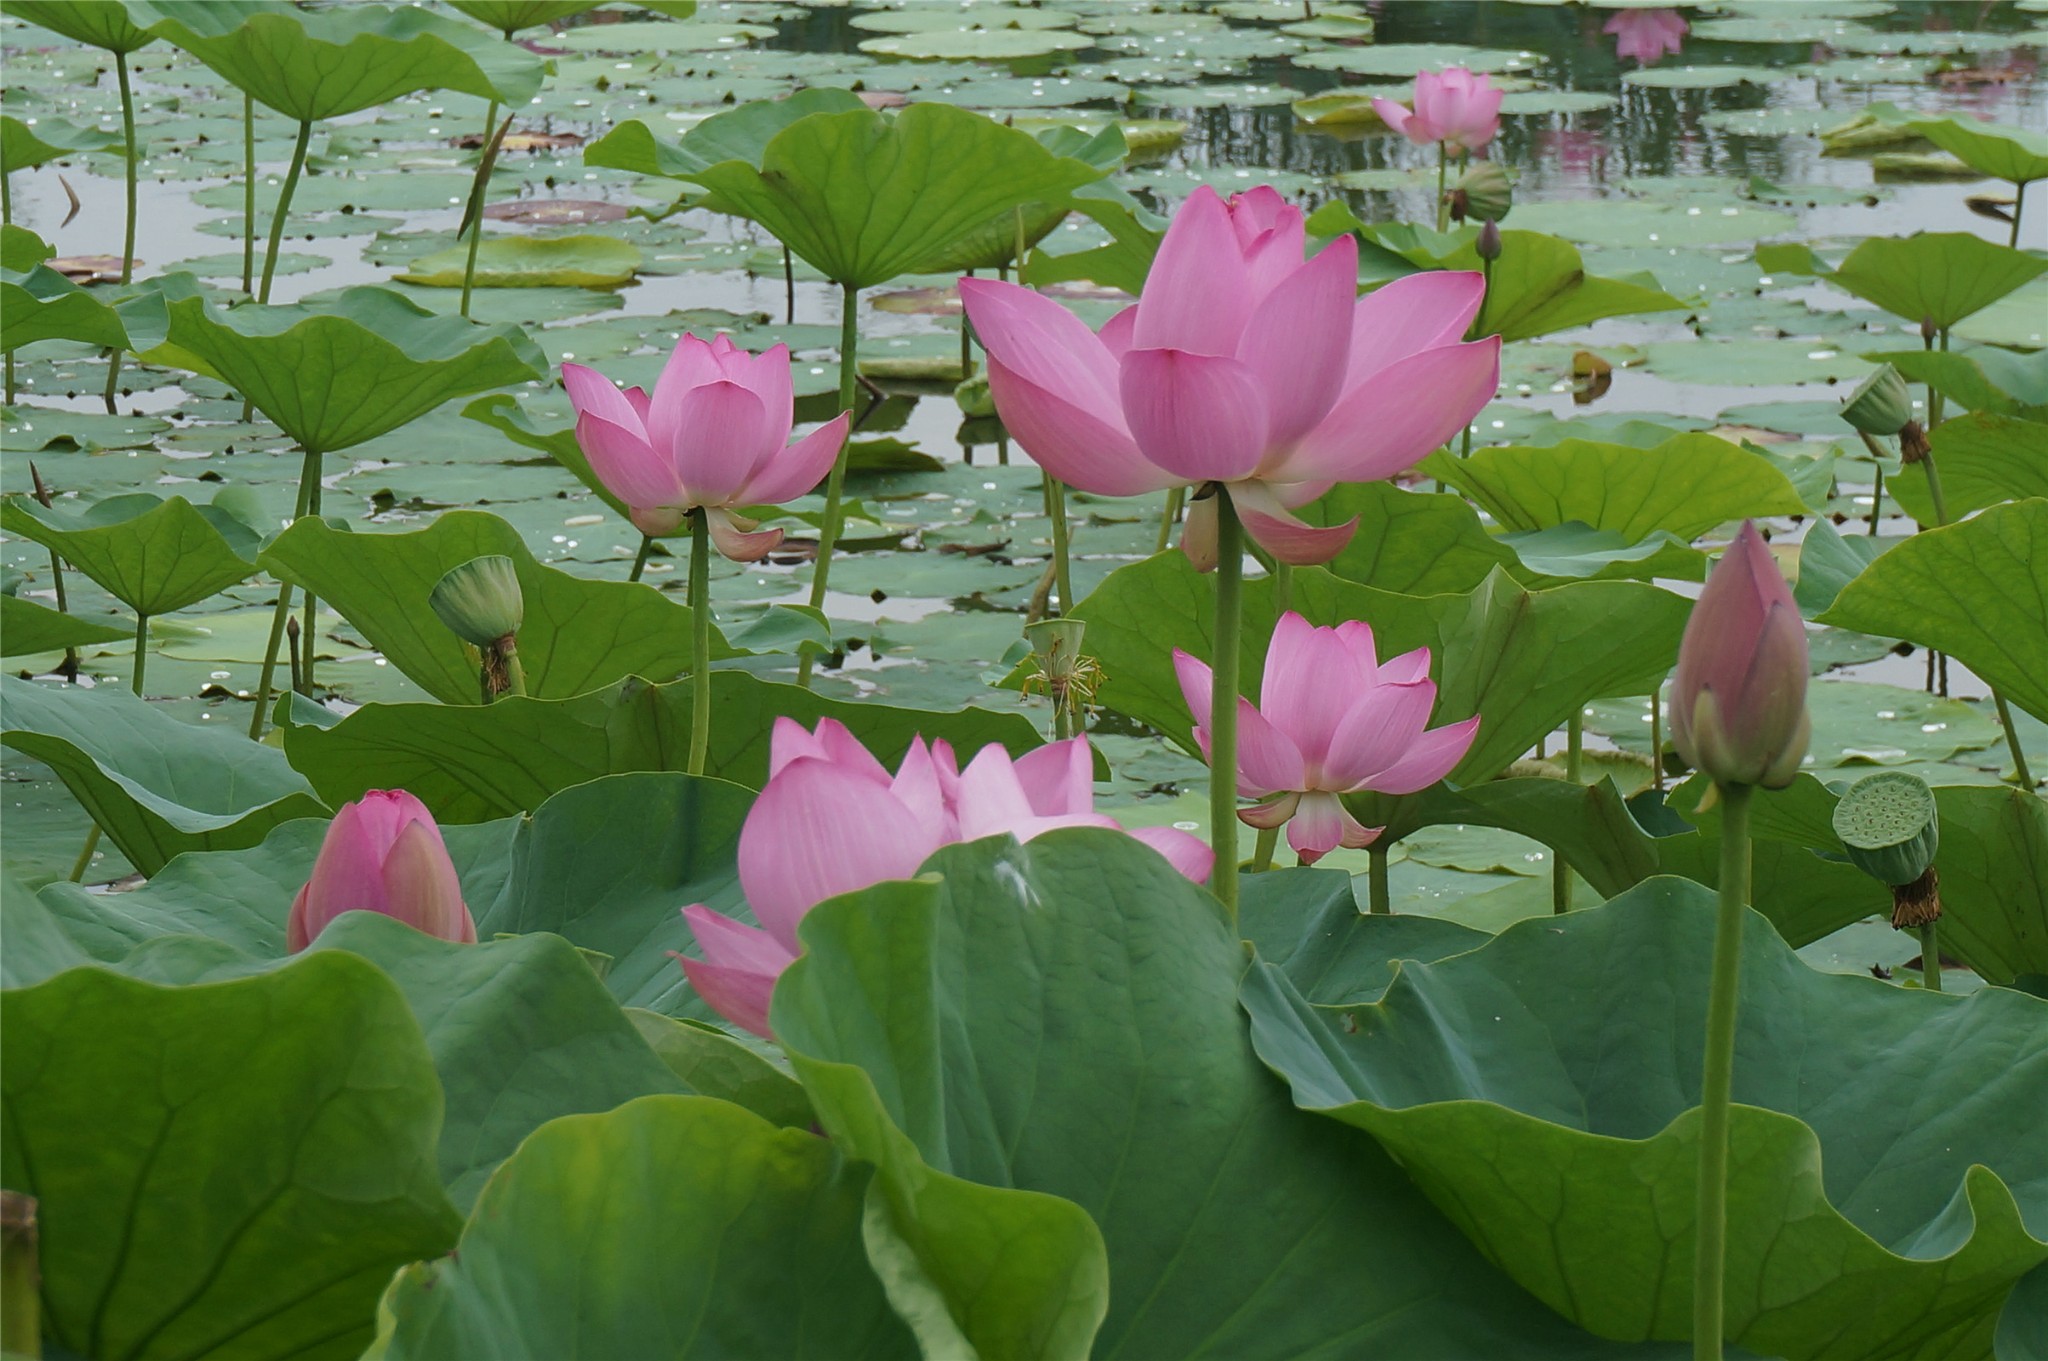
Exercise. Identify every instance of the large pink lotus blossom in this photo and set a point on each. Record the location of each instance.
(714, 435)
(1331, 720)
(832, 819)
(1647, 35)
(1453, 107)
(1240, 365)
(1738, 698)
(382, 853)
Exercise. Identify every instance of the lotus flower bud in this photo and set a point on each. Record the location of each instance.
(480, 601)
(1488, 244)
(382, 853)
(1484, 192)
(1881, 405)
(1891, 828)
(1738, 707)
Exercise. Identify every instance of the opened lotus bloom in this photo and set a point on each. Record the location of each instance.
(832, 819)
(382, 853)
(1738, 698)
(715, 435)
(1243, 367)
(1331, 720)
(1647, 35)
(1453, 107)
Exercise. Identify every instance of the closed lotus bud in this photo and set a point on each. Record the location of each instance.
(1484, 192)
(1488, 244)
(382, 853)
(1881, 404)
(480, 601)
(1738, 707)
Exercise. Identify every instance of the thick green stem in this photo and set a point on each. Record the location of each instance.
(640, 558)
(7, 218)
(1170, 516)
(2019, 196)
(2024, 777)
(309, 632)
(1930, 956)
(1443, 209)
(1262, 849)
(1876, 499)
(1063, 576)
(1223, 702)
(1717, 1077)
(1574, 755)
(788, 287)
(284, 207)
(309, 477)
(1934, 491)
(515, 672)
(835, 483)
(1382, 895)
(113, 380)
(84, 861)
(141, 652)
(128, 135)
(249, 195)
(476, 226)
(700, 640)
(966, 342)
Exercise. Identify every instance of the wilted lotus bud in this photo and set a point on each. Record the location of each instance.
(1891, 828)
(1483, 193)
(480, 601)
(1488, 244)
(1738, 707)
(1881, 404)
(382, 853)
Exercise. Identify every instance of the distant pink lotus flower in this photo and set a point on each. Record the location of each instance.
(1240, 365)
(1330, 720)
(1738, 698)
(1647, 35)
(714, 435)
(832, 820)
(382, 853)
(1453, 107)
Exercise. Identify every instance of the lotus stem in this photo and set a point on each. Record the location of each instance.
(1443, 209)
(515, 671)
(1876, 500)
(308, 635)
(1381, 892)
(1934, 490)
(1262, 849)
(1056, 506)
(21, 1277)
(700, 640)
(128, 136)
(79, 866)
(1223, 702)
(476, 212)
(1170, 516)
(1717, 1078)
(640, 558)
(1930, 956)
(966, 342)
(309, 477)
(1283, 588)
(835, 482)
(296, 660)
(1657, 738)
(2019, 196)
(1574, 755)
(113, 380)
(249, 194)
(788, 287)
(42, 495)
(141, 652)
(284, 207)
(2024, 776)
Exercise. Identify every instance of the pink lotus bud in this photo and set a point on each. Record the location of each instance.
(1738, 702)
(383, 853)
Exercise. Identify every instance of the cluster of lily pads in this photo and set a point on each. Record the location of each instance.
(510, 958)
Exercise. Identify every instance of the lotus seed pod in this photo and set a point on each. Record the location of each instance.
(1484, 192)
(1056, 643)
(1881, 405)
(1889, 824)
(480, 601)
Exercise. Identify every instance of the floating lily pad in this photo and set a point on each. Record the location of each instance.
(531, 262)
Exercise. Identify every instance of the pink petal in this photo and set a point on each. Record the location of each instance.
(1309, 686)
(767, 375)
(1273, 251)
(1298, 341)
(1432, 756)
(1379, 729)
(1065, 440)
(1322, 824)
(348, 873)
(299, 927)
(724, 433)
(1280, 533)
(738, 995)
(626, 464)
(1059, 777)
(1266, 816)
(1197, 687)
(921, 785)
(1198, 534)
(1259, 212)
(833, 742)
(1268, 761)
(1356, 635)
(1198, 292)
(1115, 336)
(422, 889)
(1419, 312)
(735, 944)
(656, 521)
(1200, 417)
(1408, 666)
(798, 467)
(1046, 345)
(690, 365)
(738, 972)
(735, 540)
(817, 831)
(638, 399)
(992, 799)
(1404, 412)
(1397, 116)
(591, 391)
(1190, 855)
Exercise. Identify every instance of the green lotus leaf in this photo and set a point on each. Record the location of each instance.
(111, 25)
(578, 635)
(1859, 1226)
(1413, 542)
(41, 304)
(996, 244)
(469, 762)
(27, 628)
(740, 134)
(1306, 923)
(712, 1062)
(581, 261)
(700, 1230)
(1987, 379)
(1994, 880)
(155, 786)
(332, 375)
(1135, 234)
(1984, 459)
(1830, 560)
(24, 146)
(1973, 590)
(1058, 1020)
(501, 411)
(315, 64)
(152, 555)
(509, 16)
(1941, 277)
(2004, 152)
(261, 1157)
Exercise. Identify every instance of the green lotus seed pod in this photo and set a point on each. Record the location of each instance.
(1056, 643)
(1890, 826)
(1484, 193)
(480, 601)
(1882, 405)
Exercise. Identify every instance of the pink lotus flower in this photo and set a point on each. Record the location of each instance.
(714, 435)
(832, 820)
(1647, 35)
(382, 853)
(1331, 720)
(1738, 699)
(1242, 366)
(1453, 107)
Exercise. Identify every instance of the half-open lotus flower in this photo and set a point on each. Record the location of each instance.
(1647, 35)
(715, 435)
(1242, 366)
(382, 853)
(1454, 107)
(1331, 720)
(1738, 698)
(832, 820)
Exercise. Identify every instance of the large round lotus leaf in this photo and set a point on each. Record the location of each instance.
(509, 16)
(1635, 222)
(582, 261)
(1236, 96)
(25, 144)
(1570, 1151)
(633, 38)
(105, 24)
(1405, 59)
